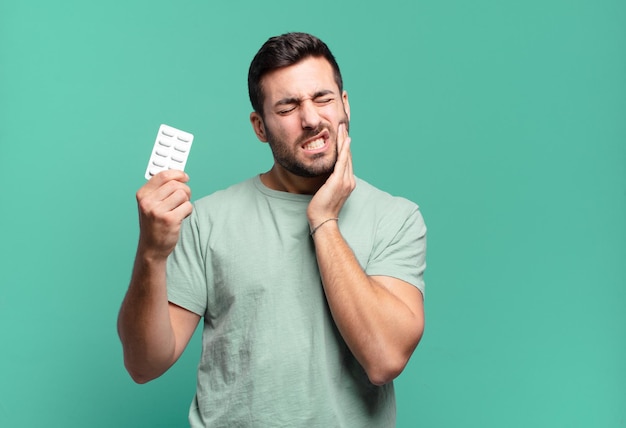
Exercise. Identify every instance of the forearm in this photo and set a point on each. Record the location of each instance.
(380, 329)
(144, 324)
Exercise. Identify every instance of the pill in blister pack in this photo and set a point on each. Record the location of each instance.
(170, 150)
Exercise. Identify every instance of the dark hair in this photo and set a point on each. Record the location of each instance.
(283, 51)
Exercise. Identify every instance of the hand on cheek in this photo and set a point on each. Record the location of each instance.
(329, 199)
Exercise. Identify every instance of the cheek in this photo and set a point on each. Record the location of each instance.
(343, 114)
(337, 115)
(272, 129)
(279, 127)
(288, 130)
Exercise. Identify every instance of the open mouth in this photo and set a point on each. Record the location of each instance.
(317, 143)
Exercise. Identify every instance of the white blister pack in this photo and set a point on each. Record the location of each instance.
(170, 151)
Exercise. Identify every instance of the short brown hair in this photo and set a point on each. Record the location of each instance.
(283, 51)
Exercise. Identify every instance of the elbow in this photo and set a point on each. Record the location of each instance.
(140, 375)
(141, 365)
(380, 379)
(139, 378)
(385, 372)
(389, 365)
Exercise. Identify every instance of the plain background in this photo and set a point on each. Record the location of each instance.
(504, 120)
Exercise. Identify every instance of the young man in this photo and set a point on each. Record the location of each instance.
(309, 281)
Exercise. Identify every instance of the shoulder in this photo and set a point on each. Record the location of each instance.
(373, 212)
(374, 200)
(224, 198)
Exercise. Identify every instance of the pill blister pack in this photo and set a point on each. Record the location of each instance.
(170, 151)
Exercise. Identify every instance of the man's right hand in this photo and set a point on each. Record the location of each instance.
(153, 331)
(163, 203)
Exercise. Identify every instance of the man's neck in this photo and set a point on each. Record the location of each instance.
(284, 181)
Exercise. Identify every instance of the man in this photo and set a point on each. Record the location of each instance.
(309, 280)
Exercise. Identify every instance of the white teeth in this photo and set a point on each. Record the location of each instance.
(315, 144)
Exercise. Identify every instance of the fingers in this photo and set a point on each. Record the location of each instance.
(329, 199)
(163, 184)
(164, 201)
(343, 146)
(161, 178)
(343, 139)
(171, 194)
(344, 158)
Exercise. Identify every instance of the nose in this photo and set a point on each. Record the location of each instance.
(309, 115)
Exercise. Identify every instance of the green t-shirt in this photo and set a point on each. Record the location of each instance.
(271, 353)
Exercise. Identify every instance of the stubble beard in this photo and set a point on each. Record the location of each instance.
(283, 154)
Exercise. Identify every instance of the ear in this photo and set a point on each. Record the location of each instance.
(258, 126)
(346, 104)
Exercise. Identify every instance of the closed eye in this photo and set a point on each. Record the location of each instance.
(324, 97)
(323, 100)
(286, 110)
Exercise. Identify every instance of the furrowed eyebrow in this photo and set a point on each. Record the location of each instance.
(293, 100)
(287, 101)
(322, 93)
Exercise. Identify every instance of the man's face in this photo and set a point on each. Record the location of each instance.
(302, 111)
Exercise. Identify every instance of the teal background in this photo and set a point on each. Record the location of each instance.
(505, 121)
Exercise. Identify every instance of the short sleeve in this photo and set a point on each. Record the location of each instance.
(186, 279)
(400, 247)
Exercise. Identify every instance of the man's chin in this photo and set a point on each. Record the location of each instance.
(312, 174)
(318, 168)
(321, 170)
(308, 172)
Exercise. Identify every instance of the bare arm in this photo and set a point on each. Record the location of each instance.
(153, 331)
(380, 318)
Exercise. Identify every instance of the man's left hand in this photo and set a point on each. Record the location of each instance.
(329, 199)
